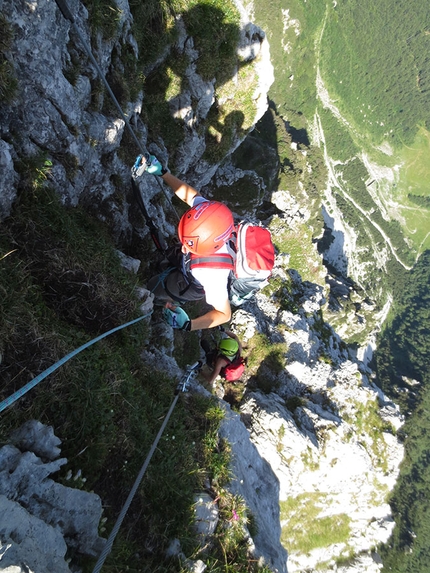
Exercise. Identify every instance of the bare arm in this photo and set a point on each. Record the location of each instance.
(212, 318)
(219, 364)
(181, 189)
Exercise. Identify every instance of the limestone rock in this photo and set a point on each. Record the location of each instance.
(28, 543)
(39, 518)
(316, 430)
(33, 436)
(8, 178)
(256, 482)
(128, 263)
(206, 517)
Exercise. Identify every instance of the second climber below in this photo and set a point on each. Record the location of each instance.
(203, 230)
(219, 359)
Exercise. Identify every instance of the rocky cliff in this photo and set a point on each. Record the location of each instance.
(314, 439)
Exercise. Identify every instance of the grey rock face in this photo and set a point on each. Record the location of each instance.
(51, 117)
(35, 437)
(8, 179)
(39, 518)
(28, 543)
(206, 517)
(256, 482)
(48, 117)
(315, 429)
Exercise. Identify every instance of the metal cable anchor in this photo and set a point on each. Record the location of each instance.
(190, 373)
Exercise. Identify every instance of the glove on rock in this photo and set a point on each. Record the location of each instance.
(177, 318)
(147, 163)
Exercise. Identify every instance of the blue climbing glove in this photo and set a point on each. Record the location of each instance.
(154, 167)
(177, 318)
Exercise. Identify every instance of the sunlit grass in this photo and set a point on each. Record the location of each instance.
(416, 164)
(297, 242)
(305, 529)
(367, 422)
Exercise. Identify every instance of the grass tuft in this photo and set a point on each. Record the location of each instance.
(306, 529)
(104, 17)
(265, 361)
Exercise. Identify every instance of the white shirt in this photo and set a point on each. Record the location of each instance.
(214, 281)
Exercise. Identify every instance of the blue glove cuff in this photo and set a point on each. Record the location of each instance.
(177, 318)
(154, 166)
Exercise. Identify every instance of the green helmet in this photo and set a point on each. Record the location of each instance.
(228, 346)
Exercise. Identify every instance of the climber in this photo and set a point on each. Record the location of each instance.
(225, 359)
(203, 230)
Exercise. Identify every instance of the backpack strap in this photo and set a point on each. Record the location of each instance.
(222, 261)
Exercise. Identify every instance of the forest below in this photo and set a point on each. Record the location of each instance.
(402, 358)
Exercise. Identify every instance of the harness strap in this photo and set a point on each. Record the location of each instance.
(222, 261)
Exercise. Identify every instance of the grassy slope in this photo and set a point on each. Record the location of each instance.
(379, 85)
(61, 285)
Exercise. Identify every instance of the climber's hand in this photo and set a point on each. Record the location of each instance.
(146, 163)
(154, 167)
(176, 317)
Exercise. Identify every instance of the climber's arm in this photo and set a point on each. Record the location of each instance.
(181, 189)
(219, 365)
(212, 318)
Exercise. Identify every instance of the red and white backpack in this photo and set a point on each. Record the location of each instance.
(251, 259)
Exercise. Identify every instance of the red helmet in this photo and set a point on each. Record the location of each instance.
(206, 227)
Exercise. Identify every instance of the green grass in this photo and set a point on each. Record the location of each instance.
(305, 529)
(234, 117)
(214, 25)
(392, 113)
(367, 422)
(294, 88)
(308, 459)
(413, 186)
(379, 82)
(104, 17)
(297, 242)
(264, 361)
(416, 158)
